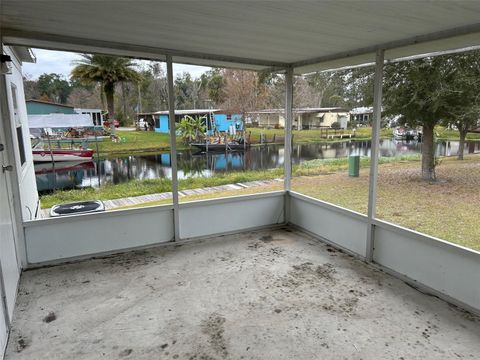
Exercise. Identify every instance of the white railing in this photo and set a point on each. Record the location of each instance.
(435, 266)
(60, 239)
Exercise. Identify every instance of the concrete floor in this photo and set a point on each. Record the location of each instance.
(275, 294)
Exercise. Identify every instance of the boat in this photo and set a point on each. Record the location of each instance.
(230, 146)
(76, 140)
(46, 155)
(402, 133)
(42, 154)
(65, 166)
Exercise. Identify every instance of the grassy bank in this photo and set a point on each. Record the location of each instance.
(134, 142)
(143, 187)
(312, 136)
(441, 133)
(131, 142)
(363, 133)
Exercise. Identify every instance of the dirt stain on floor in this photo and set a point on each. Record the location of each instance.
(21, 343)
(213, 327)
(308, 274)
(266, 238)
(333, 295)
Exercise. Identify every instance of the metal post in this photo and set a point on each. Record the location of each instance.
(173, 148)
(288, 140)
(377, 117)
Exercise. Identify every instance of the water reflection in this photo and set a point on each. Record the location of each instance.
(194, 163)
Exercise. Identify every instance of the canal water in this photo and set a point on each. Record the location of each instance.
(193, 163)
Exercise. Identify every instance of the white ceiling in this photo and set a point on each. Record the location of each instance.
(257, 34)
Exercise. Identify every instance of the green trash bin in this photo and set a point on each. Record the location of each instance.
(354, 165)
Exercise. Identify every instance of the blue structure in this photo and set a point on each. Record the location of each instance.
(223, 122)
(217, 120)
(163, 124)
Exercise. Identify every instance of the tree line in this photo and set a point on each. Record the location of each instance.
(125, 87)
(423, 92)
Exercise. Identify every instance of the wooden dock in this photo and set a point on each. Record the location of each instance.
(338, 136)
(330, 134)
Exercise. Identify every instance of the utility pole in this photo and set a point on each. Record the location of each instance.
(139, 99)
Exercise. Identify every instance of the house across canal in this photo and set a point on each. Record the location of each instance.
(216, 120)
(303, 118)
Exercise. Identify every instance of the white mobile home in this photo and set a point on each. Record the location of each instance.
(303, 118)
(95, 114)
(18, 190)
(362, 115)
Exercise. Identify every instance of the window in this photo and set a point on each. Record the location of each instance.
(18, 125)
(21, 146)
(434, 188)
(331, 163)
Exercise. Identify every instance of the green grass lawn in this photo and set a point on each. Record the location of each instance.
(111, 191)
(363, 133)
(311, 136)
(448, 209)
(442, 133)
(143, 187)
(131, 142)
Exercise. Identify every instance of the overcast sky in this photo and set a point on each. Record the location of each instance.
(60, 62)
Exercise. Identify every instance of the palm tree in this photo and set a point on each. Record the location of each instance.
(191, 128)
(107, 71)
(186, 129)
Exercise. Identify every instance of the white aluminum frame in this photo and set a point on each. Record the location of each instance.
(287, 165)
(370, 219)
(373, 179)
(407, 256)
(173, 147)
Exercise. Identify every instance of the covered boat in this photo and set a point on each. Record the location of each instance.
(44, 152)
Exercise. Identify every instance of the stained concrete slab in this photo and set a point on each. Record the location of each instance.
(276, 294)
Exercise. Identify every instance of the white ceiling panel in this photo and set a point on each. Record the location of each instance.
(257, 34)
